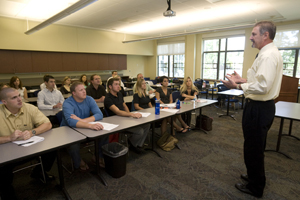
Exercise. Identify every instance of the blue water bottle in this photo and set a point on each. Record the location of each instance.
(177, 104)
(157, 106)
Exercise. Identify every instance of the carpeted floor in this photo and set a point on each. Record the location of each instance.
(206, 167)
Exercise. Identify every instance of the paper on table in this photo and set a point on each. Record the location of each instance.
(106, 126)
(29, 142)
(170, 110)
(169, 105)
(143, 114)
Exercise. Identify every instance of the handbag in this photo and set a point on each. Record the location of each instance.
(206, 122)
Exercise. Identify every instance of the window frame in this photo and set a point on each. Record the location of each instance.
(169, 67)
(219, 51)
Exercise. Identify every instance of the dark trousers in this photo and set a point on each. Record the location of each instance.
(6, 174)
(258, 117)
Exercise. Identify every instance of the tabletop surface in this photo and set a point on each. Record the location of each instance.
(233, 92)
(129, 122)
(287, 110)
(54, 138)
(124, 123)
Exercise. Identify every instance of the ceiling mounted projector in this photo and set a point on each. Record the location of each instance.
(169, 12)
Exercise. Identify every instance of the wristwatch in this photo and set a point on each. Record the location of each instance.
(33, 132)
(238, 86)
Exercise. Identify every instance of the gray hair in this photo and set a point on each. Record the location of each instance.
(267, 26)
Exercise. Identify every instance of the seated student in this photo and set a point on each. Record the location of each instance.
(43, 85)
(21, 121)
(84, 80)
(113, 74)
(115, 105)
(16, 83)
(49, 98)
(76, 113)
(142, 101)
(165, 96)
(188, 90)
(65, 88)
(96, 89)
(3, 85)
(149, 89)
(121, 88)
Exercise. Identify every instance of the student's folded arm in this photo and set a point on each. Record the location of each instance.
(68, 110)
(119, 112)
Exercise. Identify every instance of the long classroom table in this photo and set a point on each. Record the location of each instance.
(55, 139)
(128, 122)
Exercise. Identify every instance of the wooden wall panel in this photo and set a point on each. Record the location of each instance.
(55, 62)
(93, 62)
(103, 62)
(81, 62)
(7, 64)
(39, 61)
(69, 62)
(13, 61)
(122, 62)
(23, 61)
(113, 62)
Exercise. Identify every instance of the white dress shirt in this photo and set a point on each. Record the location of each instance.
(47, 99)
(265, 75)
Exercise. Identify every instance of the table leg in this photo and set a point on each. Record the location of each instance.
(153, 143)
(98, 173)
(290, 131)
(279, 140)
(61, 175)
(228, 97)
(172, 128)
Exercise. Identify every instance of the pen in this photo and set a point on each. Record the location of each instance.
(25, 143)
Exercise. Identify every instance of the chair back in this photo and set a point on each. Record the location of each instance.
(154, 82)
(132, 106)
(176, 95)
(35, 93)
(59, 116)
(199, 84)
(106, 112)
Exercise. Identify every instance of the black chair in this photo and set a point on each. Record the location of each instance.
(199, 84)
(176, 95)
(35, 93)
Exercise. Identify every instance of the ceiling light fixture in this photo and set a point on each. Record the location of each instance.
(169, 12)
(68, 11)
(189, 33)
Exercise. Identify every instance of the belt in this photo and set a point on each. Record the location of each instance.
(251, 100)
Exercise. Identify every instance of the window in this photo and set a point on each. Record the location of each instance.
(287, 40)
(171, 59)
(291, 62)
(222, 56)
